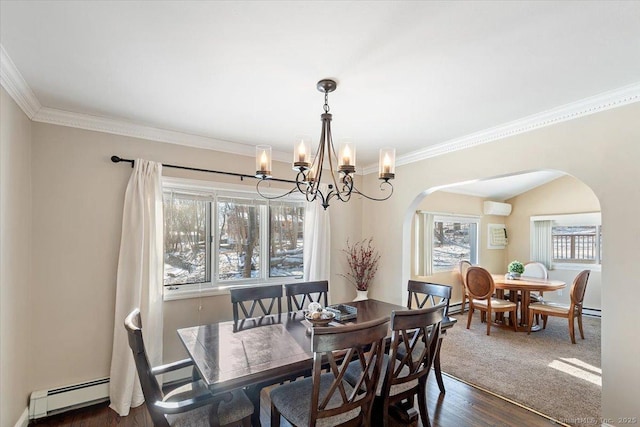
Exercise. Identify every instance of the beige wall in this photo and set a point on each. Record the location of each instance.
(459, 204)
(564, 195)
(15, 260)
(77, 212)
(76, 208)
(601, 150)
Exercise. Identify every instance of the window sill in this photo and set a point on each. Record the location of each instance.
(194, 291)
(210, 290)
(576, 267)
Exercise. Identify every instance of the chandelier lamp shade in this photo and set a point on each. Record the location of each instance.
(338, 167)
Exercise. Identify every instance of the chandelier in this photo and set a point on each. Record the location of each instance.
(340, 168)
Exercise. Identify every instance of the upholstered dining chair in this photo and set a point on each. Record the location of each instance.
(326, 398)
(189, 405)
(536, 270)
(405, 372)
(299, 295)
(481, 287)
(249, 303)
(570, 312)
(423, 295)
(463, 266)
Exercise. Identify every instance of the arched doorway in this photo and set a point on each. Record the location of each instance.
(551, 194)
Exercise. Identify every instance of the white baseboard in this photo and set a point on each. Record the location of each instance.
(23, 421)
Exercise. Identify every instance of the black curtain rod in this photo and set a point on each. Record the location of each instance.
(116, 159)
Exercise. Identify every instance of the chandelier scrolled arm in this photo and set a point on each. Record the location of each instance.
(341, 164)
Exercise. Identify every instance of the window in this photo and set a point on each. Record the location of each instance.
(217, 238)
(567, 241)
(442, 241)
(577, 243)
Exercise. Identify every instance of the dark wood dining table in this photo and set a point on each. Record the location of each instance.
(524, 286)
(262, 351)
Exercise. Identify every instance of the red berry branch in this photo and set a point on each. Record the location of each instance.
(362, 259)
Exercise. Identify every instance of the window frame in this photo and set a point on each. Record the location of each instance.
(424, 236)
(574, 219)
(214, 190)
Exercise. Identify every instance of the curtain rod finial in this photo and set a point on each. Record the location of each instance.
(115, 159)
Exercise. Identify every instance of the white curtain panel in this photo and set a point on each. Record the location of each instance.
(541, 243)
(139, 282)
(317, 240)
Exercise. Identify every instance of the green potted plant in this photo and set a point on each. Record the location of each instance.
(515, 268)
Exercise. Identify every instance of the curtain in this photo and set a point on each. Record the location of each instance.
(424, 244)
(139, 282)
(541, 243)
(317, 240)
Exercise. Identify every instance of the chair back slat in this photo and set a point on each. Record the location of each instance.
(418, 333)
(337, 347)
(425, 294)
(299, 295)
(253, 298)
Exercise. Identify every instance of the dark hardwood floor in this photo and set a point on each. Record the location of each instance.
(462, 405)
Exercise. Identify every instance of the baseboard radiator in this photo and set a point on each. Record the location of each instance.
(45, 403)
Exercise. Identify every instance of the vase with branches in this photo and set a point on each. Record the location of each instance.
(362, 259)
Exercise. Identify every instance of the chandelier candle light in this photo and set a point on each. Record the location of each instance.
(310, 168)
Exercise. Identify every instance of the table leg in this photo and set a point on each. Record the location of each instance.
(253, 393)
(524, 308)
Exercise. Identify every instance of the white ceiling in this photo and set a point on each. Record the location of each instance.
(503, 188)
(412, 75)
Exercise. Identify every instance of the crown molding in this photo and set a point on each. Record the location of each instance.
(594, 104)
(124, 128)
(19, 90)
(16, 86)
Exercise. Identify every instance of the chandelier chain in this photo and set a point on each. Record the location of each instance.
(326, 102)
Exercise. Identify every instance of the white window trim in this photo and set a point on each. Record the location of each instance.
(197, 290)
(424, 236)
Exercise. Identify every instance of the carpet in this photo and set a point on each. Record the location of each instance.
(542, 371)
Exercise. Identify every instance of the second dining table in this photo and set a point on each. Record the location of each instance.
(524, 286)
(261, 351)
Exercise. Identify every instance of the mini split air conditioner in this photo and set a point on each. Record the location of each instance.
(497, 208)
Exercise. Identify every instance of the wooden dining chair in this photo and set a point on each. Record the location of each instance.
(249, 303)
(423, 295)
(463, 266)
(570, 312)
(481, 287)
(415, 341)
(299, 295)
(189, 405)
(326, 398)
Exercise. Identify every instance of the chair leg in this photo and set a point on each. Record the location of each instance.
(513, 317)
(530, 321)
(488, 322)
(436, 368)
(422, 403)
(275, 416)
(544, 321)
(464, 301)
(572, 332)
(580, 326)
(469, 316)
